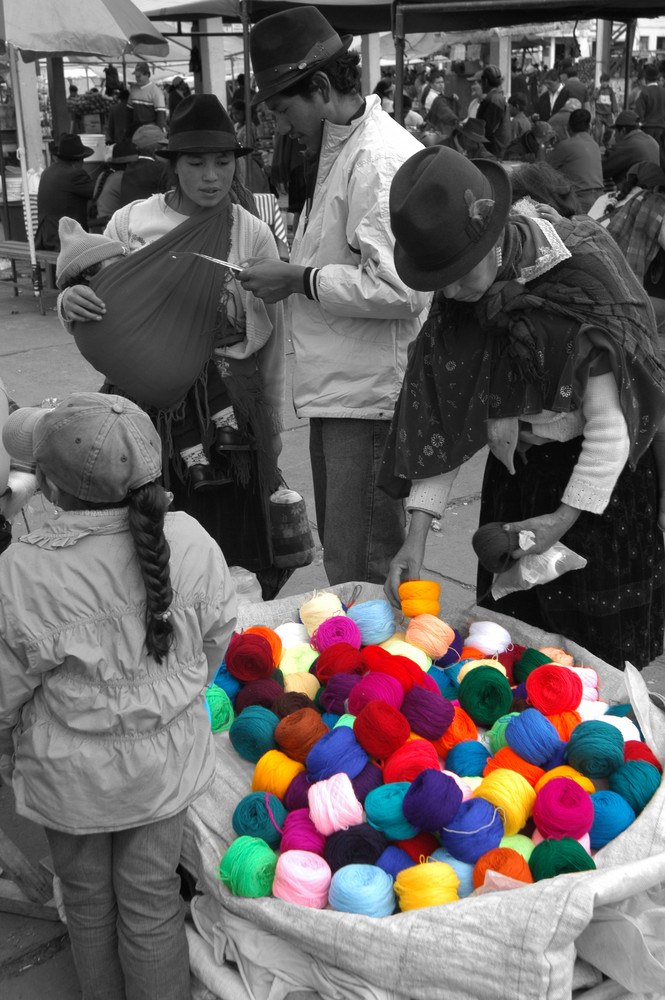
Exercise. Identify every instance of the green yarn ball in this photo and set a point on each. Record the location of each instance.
(520, 843)
(345, 720)
(485, 695)
(497, 734)
(248, 867)
(221, 709)
(530, 659)
(558, 857)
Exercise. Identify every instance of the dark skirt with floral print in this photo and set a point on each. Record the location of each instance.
(615, 606)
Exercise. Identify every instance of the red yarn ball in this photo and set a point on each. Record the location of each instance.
(420, 846)
(509, 658)
(553, 689)
(636, 750)
(249, 657)
(340, 658)
(399, 667)
(381, 729)
(407, 762)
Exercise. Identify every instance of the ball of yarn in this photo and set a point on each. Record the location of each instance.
(383, 807)
(375, 620)
(475, 829)
(452, 655)
(336, 751)
(485, 695)
(472, 663)
(339, 628)
(304, 683)
(339, 658)
(297, 733)
(467, 758)
(636, 750)
(226, 681)
(253, 733)
(558, 857)
(220, 708)
(512, 795)
(508, 658)
(398, 647)
(493, 546)
(403, 669)
(563, 809)
(611, 816)
(248, 867)
(551, 689)
(321, 606)
(419, 597)
(381, 729)
(626, 727)
(431, 800)
(595, 749)
(407, 762)
(262, 692)
(375, 687)
(557, 655)
(589, 678)
(289, 702)
(333, 804)
(259, 814)
(506, 862)
(274, 772)
(532, 737)
(595, 710)
(507, 759)
(430, 884)
(636, 781)
(292, 634)
(297, 659)
(337, 690)
(271, 636)
(302, 877)
(365, 889)
(566, 771)
(528, 661)
(249, 657)
(300, 834)
(520, 843)
(446, 688)
(564, 723)
(430, 634)
(428, 714)
(461, 728)
(370, 777)
(296, 795)
(361, 844)
(420, 846)
(496, 735)
(393, 860)
(462, 869)
(489, 637)
(346, 719)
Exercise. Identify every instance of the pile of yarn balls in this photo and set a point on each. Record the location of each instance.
(394, 770)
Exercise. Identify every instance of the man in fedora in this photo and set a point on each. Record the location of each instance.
(632, 146)
(352, 318)
(65, 188)
(493, 111)
(469, 138)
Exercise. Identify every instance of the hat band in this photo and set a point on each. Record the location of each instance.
(319, 52)
(202, 139)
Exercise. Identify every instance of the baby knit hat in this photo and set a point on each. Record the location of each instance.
(80, 250)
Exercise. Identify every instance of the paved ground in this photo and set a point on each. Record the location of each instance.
(38, 359)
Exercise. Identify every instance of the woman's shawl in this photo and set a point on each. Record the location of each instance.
(163, 314)
(525, 348)
(636, 226)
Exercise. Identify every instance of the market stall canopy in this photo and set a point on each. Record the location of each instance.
(108, 28)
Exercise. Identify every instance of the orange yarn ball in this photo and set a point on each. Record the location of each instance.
(274, 772)
(271, 636)
(557, 655)
(507, 758)
(419, 597)
(471, 653)
(504, 860)
(430, 634)
(565, 722)
(461, 728)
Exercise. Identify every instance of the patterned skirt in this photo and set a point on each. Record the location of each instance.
(615, 606)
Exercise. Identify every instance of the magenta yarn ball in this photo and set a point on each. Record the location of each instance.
(339, 628)
(563, 809)
(375, 687)
(300, 834)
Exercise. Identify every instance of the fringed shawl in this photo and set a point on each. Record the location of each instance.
(636, 226)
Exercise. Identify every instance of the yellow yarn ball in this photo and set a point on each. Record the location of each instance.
(566, 771)
(297, 659)
(399, 648)
(512, 795)
(472, 664)
(322, 605)
(430, 883)
(303, 683)
(274, 772)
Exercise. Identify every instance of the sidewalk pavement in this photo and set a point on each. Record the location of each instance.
(38, 360)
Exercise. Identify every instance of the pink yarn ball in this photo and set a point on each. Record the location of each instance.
(339, 628)
(563, 809)
(302, 878)
(333, 804)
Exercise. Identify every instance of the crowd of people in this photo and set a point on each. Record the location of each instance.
(442, 293)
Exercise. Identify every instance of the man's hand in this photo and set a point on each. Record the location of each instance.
(272, 280)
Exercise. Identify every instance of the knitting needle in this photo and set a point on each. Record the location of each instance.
(215, 260)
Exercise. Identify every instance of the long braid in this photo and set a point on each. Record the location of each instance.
(147, 506)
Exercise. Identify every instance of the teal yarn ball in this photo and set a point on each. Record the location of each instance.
(467, 759)
(636, 781)
(248, 867)
(462, 869)
(366, 889)
(260, 814)
(443, 682)
(220, 708)
(559, 857)
(611, 816)
(595, 748)
(485, 695)
(375, 620)
(253, 732)
(383, 807)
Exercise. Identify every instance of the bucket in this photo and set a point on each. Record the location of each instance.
(97, 142)
(292, 541)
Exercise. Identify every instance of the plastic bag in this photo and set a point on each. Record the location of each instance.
(530, 571)
(248, 588)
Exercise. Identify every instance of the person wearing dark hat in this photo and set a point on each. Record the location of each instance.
(632, 146)
(493, 111)
(146, 100)
(65, 188)
(650, 105)
(441, 123)
(120, 118)
(542, 344)
(352, 318)
(178, 333)
(469, 139)
(553, 97)
(177, 91)
(578, 157)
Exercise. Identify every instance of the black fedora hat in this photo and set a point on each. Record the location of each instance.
(124, 151)
(70, 147)
(200, 124)
(472, 199)
(289, 46)
(473, 129)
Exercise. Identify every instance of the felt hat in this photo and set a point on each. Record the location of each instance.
(289, 46)
(70, 147)
(491, 75)
(92, 445)
(447, 213)
(124, 151)
(200, 124)
(474, 129)
(80, 250)
(626, 118)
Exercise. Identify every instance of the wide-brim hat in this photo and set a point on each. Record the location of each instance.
(289, 46)
(70, 147)
(474, 129)
(124, 151)
(630, 118)
(200, 124)
(447, 212)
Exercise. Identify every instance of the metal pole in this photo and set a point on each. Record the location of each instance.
(21, 153)
(399, 64)
(630, 41)
(247, 70)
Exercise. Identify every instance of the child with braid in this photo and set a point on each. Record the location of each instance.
(113, 616)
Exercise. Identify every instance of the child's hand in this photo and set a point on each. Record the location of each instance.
(80, 303)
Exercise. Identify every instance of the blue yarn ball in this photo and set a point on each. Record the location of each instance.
(365, 889)
(467, 759)
(375, 620)
(226, 681)
(595, 748)
(445, 686)
(452, 672)
(558, 757)
(336, 751)
(431, 800)
(520, 691)
(452, 654)
(331, 719)
(611, 815)
(476, 829)
(462, 869)
(394, 860)
(251, 817)
(253, 732)
(383, 808)
(532, 737)
(637, 781)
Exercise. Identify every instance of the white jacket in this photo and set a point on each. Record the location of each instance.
(350, 346)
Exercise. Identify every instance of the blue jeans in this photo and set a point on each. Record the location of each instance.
(125, 916)
(360, 527)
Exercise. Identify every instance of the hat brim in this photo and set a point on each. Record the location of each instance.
(173, 154)
(86, 151)
(291, 79)
(424, 280)
(474, 136)
(18, 431)
(124, 159)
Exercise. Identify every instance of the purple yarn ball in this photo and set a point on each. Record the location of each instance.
(427, 712)
(295, 796)
(369, 778)
(453, 652)
(394, 860)
(431, 801)
(337, 690)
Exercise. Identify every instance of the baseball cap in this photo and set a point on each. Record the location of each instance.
(626, 118)
(95, 446)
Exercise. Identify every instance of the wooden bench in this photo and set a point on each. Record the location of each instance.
(17, 250)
